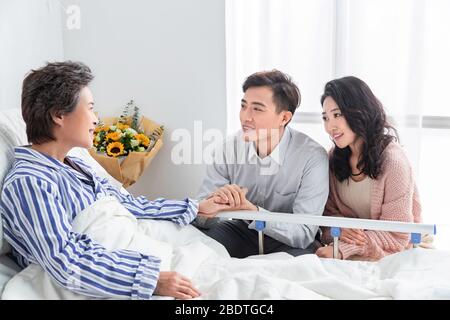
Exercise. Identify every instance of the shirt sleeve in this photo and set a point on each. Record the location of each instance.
(310, 199)
(76, 262)
(216, 176)
(181, 212)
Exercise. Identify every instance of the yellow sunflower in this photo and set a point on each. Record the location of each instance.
(114, 136)
(101, 128)
(115, 149)
(143, 139)
(122, 126)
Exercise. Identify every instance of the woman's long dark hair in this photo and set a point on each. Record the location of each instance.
(365, 116)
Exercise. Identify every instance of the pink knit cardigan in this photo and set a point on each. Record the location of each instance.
(394, 198)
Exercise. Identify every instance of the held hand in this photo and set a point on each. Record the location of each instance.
(234, 196)
(231, 194)
(175, 285)
(353, 236)
(327, 252)
(210, 207)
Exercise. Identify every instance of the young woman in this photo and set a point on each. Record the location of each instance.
(45, 190)
(370, 175)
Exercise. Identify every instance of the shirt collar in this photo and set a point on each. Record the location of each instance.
(31, 155)
(278, 154)
(36, 157)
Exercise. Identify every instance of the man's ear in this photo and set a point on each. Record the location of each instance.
(287, 116)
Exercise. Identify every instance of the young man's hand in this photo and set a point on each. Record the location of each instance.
(234, 196)
(173, 284)
(210, 207)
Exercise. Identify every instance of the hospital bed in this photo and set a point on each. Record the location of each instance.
(274, 276)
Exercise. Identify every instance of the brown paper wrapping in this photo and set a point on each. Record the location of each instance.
(128, 169)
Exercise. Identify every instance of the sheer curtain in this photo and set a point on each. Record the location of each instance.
(397, 47)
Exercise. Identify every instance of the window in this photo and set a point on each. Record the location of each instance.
(397, 47)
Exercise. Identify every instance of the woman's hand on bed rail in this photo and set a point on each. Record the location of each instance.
(327, 252)
(353, 236)
(173, 284)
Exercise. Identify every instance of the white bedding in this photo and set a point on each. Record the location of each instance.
(7, 270)
(413, 274)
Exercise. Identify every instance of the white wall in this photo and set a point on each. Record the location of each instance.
(30, 35)
(169, 56)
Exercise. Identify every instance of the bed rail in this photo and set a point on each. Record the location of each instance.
(336, 223)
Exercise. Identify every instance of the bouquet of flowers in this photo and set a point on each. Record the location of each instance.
(125, 146)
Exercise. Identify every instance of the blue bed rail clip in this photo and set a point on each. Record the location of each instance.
(335, 232)
(260, 225)
(416, 238)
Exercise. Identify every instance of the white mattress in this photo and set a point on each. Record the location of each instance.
(7, 270)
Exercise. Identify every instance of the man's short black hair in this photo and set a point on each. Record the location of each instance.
(52, 90)
(286, 94)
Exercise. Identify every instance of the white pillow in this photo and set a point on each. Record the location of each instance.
(12, 134)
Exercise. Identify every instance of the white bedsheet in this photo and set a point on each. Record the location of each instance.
(413, 274)
(7, 270)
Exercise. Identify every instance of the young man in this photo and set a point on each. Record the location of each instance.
(267, 166)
